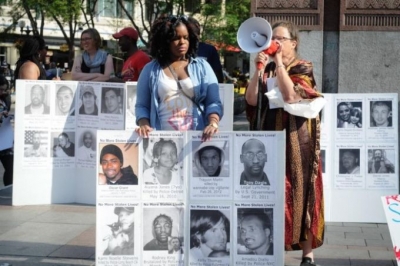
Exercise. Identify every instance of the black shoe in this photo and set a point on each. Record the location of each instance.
(306, 261)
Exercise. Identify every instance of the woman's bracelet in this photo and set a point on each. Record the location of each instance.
(280, 66)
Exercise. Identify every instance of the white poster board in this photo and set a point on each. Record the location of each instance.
(359, 139)
(199, 210)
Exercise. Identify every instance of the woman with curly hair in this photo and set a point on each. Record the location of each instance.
(164, 168)
(177, 91)
(94, 64)
(304, 206)
(28, 65)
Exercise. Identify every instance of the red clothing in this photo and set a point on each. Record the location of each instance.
(134, 65)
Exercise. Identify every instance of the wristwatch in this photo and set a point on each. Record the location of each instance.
(214, 125)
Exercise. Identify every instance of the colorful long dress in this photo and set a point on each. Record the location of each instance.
(304, 205)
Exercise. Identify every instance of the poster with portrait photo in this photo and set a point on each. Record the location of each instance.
(210, 234)
(165, 221)
(350, 166)
(349, 117)
(382, 118)
(210, 163)
(112, 106)
(130, 117)
(36, 146)
(37, 98)
(87, 104)
(117, 159)
(118, 232)
(62, 149)
(254, 234)
(227, 100)
(382, 166)
(64, 99)
(85, 153)
(255, 171)
(162, 169)
(326, 165)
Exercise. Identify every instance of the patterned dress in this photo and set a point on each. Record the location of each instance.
(304, 206)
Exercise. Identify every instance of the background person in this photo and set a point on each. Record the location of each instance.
(253, 158)
(350, 161)
(168, 84)
(112, 101)
(304, 220)
(209, 232)
(162, 229)
(163, 170)
(86, 151)
(379, 163)
(209, 160)
(65, 100)
(37, 105)
(28, 65)
(64, 148)
(89, 104)
(208, 52)
(121, 240)
(255, 233)
(136, 59)
(112, 160)
(94, 64)
(6, 155)
(381, 114)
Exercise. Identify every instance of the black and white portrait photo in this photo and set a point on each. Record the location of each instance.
(322, 157)
(381, 114)
(36, 143)
(253, 156)
(255, 231)
(86, 143)
(349, 115)
(65, 100)
(349, 161)
(112, 100)
(380, 161)
(162, 224)
(88, 100)
(210, 159)
(209, 234)
(37, 100)
(162, 164)
(63, 144)
(117, 230)
(131, 100)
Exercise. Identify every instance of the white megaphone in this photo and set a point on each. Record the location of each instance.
(255, 35)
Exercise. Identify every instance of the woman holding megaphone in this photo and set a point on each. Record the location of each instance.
(304, 207)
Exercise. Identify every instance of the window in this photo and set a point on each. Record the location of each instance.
(128, 5)
(111, 8)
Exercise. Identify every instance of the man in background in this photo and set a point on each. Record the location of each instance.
(136, 59)
(208, 52)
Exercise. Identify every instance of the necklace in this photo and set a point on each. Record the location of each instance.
(181, 65)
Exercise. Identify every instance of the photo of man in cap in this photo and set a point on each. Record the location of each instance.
(136, 59)
(111, 161)
(88, 98)
(121, 240)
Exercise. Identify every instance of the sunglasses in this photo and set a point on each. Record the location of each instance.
(174, 18)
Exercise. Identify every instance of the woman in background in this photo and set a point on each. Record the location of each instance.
(6, 155)
(28, 65)
(94, 64)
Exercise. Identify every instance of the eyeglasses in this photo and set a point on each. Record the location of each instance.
(281, 38)
(86, 39)
(174, 18)
(250, 156)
